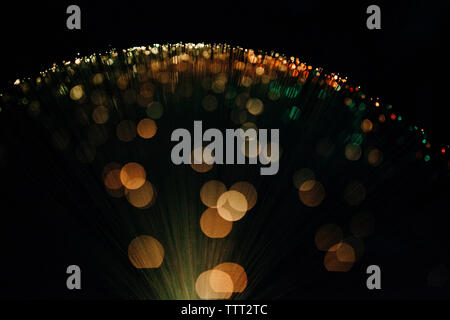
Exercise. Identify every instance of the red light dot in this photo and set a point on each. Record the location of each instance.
(393, 116)
(443, 150)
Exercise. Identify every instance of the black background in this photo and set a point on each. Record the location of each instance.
(404, 64)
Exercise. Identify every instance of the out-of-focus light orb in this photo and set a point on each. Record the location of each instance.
(328, 236)
(335, 247)
(155, 110)
(232, 205)
(110, 166)
(112, 179)
(211, 191)
(122, 82)
(147, 90)
(333, 264)
(366, 125)
(203, 285)
(147, 128)
(375, 157)
(145, 252)
(308, 185)
(218, 87)
(362, 224)
(352, 152)
(209, 103)
(345, 253)
(142, 197)
(239, 66)
(100, 115)
(213, 225)
(77, 92)
(219, 83)
(237, 274)
(255, 106)
(220, 281)
(133, 175)
(246, 81)
(126, 130)
(311, 193)
(354, 193)
(265, 79)
(164, 77)
(97, 79)
(206, 54)
(248, 190)
(259, 71)
(200, 167)
(302, 175)
(382, 118)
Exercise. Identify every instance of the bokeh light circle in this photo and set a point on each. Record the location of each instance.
(145, 252)
(147, 128)
(203, 285)
(248, 190)
(142, 197)
(236, 273)
(213, 225)
(311, 193)
(211, 191)
(133, 175)
(327, 236)
(232, 205)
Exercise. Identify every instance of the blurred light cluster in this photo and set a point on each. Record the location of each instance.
(112, 112)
